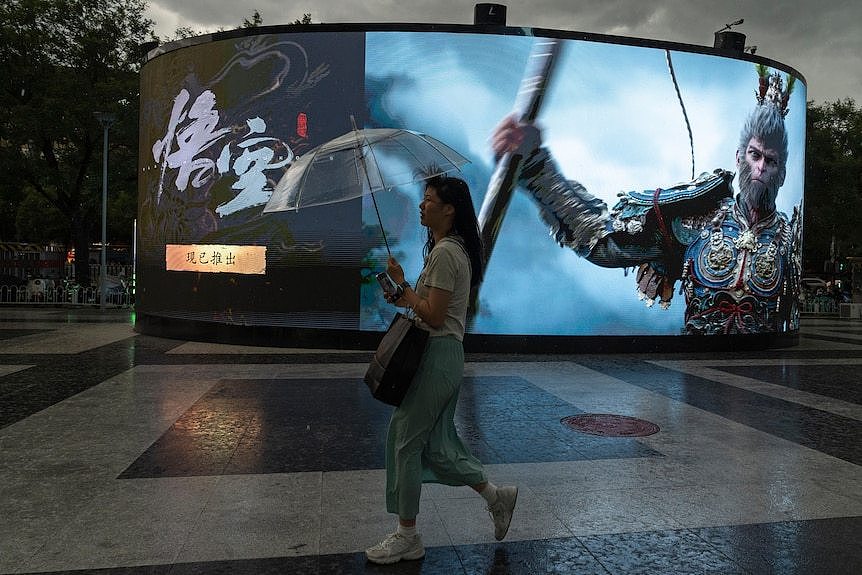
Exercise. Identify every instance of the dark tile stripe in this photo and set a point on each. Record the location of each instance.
(836, 381)
(57, 377)
(249, 426)
(833, 338)
(13, 333)
(817, 547)
(829, 433)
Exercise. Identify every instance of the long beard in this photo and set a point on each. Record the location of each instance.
(757, 197)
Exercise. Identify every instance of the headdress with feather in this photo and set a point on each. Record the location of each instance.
(771, 89)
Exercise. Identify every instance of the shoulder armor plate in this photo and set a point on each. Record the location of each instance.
(708, 187)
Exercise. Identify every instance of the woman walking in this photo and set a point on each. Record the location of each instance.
(422, 444)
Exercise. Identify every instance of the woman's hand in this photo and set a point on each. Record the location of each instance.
(396, 299)
(393, 268)
(432, 309)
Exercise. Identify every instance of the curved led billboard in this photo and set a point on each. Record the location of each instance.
(615, 212)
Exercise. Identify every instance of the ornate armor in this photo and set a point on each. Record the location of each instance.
(736, 279)
(739, 279)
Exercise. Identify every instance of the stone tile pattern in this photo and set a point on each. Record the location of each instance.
(216, 462)
(821, 547)
(253, 426)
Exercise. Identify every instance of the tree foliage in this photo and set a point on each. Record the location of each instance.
(61, 61)
(256, 21)
(833, 183)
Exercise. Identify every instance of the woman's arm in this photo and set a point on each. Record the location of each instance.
(432, 310)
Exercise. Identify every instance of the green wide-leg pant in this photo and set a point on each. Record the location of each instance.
(422, 445)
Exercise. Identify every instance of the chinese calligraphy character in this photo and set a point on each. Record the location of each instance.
(191, 139)
(249, 166)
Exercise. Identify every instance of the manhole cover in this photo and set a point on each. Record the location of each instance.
(610, 425)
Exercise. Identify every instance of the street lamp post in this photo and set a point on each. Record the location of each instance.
(105, 119)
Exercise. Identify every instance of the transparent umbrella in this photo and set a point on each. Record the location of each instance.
(362, 162)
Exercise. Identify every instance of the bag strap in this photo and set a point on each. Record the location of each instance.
(460, 242)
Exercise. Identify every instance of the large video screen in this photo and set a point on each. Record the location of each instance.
(622, 217)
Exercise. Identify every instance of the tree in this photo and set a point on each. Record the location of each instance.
(255, 21)
(833, 183)
(61, 61)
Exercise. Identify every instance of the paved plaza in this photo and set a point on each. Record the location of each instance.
(123, 453)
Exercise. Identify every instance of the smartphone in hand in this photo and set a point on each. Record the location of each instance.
(393, 290)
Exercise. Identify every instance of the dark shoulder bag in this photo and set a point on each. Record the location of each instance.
(396, 360)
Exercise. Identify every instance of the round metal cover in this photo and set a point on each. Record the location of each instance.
(609, 425)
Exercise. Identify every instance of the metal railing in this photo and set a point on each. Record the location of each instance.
(66, 291)
(820, 304)
(64, 294)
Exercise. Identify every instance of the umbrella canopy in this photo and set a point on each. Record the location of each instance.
(361, 162)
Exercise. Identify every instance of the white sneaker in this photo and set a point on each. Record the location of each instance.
(395, 548)
(502, 509)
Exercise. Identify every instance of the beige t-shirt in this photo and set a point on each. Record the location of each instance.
(447, 267)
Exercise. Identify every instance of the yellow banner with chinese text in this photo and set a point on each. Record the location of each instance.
(214, 258)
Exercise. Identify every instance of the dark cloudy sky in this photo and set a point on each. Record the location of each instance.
(819, 39)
